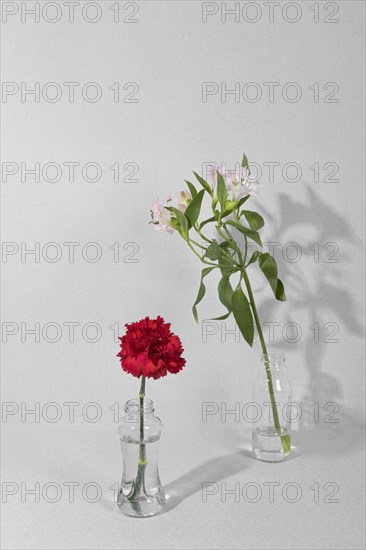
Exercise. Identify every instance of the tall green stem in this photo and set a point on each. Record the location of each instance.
(142, 454)
(142, 463)
(285, 439)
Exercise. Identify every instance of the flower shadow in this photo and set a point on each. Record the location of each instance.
(322, 298)
(212, 471)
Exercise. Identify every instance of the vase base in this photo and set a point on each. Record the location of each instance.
(268, 457)
(268, 446)
(142, 507)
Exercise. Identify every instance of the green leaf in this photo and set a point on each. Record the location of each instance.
(254, 219)
(225, 292)
(183, 222)
(213, 251)
(227, 261)
(253, 235)
(221, 190)
(280, 291)
(254, 257)
(243, 315)
(224, 213)
(215, 218)
(268, 266)
(225, 244)
(204, 183)
(192, 188)
(245, 162)
(225, 295)
(194, 208)
(243, 200)
(222, 317)
(209, 220)
(201, 291)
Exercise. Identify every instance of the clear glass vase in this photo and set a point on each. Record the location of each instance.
(141, 493)
(272, 395)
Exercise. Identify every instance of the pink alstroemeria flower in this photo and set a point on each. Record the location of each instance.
(161, 217)
(238, 183)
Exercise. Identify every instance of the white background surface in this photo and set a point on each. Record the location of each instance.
(170, 52)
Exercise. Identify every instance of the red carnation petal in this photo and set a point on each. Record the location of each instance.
(149, 348)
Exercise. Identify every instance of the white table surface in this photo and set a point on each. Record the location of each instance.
(218, 454)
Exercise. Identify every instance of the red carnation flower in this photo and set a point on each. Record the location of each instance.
(150, 349)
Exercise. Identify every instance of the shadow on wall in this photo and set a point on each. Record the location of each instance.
(324, 295)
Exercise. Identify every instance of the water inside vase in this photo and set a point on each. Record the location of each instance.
(267, 444)
(150, 498)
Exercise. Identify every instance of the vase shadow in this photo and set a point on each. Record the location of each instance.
(347, 436)
(212, 471)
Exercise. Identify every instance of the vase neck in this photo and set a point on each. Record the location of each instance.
(134, 406)
(276, 359)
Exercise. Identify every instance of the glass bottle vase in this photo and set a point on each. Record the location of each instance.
(272, 395)
(141, 493)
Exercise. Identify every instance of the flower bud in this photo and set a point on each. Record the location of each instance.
(183, 200)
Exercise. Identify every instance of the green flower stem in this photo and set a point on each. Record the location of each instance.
(285, 439)
(201, 234)
(246, 250)
(142, 463)
(237, 249)
(218, 228)
(142, 454)
(243, 260)
(197, 244)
